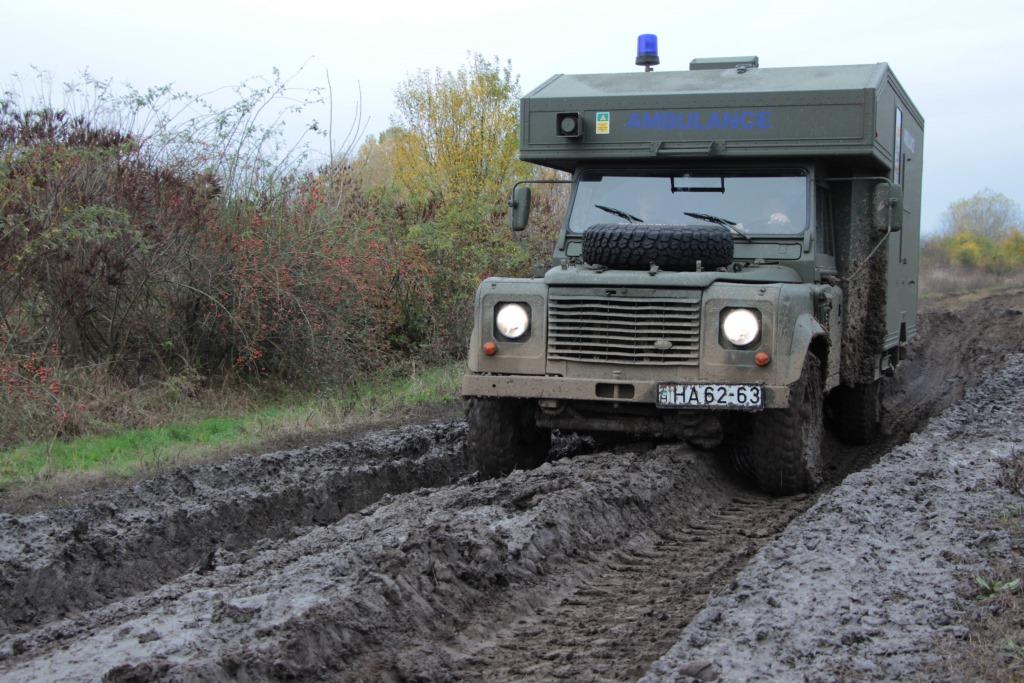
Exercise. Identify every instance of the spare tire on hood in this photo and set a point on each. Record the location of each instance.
(636, 246)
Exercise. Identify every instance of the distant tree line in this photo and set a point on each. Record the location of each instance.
(984, 232)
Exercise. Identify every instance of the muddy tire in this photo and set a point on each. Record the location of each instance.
(785, 455)
(670, 247)
(856, 412)
(503, 435)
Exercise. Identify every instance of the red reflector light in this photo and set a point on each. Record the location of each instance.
(762, 358)
(490, 348)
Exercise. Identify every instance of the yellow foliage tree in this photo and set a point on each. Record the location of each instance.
(966, 249)
(1012, 249)
(459, 134)
(982, 232)
(446, 167)
(375, 161)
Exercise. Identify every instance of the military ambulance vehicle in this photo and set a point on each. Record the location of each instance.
(738, 263)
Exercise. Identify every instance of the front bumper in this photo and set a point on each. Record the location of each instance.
(575, 389)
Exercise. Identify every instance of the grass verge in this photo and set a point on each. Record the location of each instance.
(290, 421)
(944, 281)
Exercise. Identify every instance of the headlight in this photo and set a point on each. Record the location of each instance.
(512, 321)
(741, 327)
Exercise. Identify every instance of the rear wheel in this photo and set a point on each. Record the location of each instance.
(785, 454)
(503, 435)
(856, 412)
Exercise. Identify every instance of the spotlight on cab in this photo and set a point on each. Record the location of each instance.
(569, 124)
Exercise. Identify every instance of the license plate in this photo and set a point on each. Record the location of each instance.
(741, 396)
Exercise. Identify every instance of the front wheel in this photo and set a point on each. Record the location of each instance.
(503, 435)
(785, 453)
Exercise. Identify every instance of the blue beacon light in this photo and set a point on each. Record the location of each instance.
(647, 51)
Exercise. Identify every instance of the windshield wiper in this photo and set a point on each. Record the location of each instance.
(720, 221)
(620, 213)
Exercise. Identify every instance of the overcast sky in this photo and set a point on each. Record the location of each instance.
(959, 61)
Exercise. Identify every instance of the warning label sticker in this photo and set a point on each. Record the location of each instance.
(604, 122)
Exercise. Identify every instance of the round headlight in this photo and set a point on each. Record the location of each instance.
(740, 327)
(512, 321)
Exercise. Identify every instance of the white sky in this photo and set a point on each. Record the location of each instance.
(959, 61)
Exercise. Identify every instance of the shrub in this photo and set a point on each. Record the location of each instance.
(182, 250)
(982, 233)
(151, 243)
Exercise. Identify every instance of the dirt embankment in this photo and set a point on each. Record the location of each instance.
(864, 583)
(960, 340)
(384, 558)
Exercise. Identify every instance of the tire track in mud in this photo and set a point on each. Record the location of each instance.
(957, 344)
(633, 601)
(59, 562)
(608, 617)
(617, 630)
(585, 568)
(358, 599)
(872, 579)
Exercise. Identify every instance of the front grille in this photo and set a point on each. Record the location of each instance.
(663, 329)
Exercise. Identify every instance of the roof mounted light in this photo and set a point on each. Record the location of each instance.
(647, 51)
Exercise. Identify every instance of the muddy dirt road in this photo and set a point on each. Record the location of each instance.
(384, 558)
(876, 564)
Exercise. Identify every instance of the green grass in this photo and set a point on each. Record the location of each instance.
(132, 451)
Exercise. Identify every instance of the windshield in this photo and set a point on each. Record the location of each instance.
(756, 204)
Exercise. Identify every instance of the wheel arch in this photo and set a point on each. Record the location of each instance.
(808, 337)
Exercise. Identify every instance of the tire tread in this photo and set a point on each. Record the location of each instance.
(786, 458)
(670, 247)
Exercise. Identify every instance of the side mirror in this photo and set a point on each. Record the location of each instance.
(519, 215)
(887, 207)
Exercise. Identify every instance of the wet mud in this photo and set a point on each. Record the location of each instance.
(863, 585)
(59, 562)
(373, 594)
(385, 558)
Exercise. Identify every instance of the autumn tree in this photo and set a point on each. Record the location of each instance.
(986, 213)
(981, 232)
(449, 161)
(460, 133)
(375, 162)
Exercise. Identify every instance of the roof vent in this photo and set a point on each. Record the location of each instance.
(739, 63)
